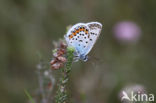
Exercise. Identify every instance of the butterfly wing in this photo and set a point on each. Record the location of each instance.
(77, 36)
(94, 32)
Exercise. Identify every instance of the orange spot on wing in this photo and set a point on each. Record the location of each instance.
(81, 29)
(70, 36)
(74, 33)
(77, 31)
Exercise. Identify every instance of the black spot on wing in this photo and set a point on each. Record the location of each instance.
(80, 40)
(93, 33)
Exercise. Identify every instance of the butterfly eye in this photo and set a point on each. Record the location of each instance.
(84, 58)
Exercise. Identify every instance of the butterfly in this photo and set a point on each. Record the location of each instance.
(82, 37)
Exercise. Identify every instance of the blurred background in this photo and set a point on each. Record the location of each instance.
(125, 52)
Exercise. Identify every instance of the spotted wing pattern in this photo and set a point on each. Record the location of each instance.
(77, 37)
(83, 36)
(94, 32)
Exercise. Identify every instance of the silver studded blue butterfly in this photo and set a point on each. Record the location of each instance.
(82, 37)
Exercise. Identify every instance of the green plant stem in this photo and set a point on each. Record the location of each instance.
(29, 96)
(62, 94)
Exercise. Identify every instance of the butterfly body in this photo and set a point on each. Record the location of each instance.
(82, 37)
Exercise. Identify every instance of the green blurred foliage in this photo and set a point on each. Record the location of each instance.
(30, 26)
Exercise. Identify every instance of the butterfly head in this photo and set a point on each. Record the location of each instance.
(84, 57)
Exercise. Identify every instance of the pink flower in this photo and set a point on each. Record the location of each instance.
(59, 58)
(127, 32)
